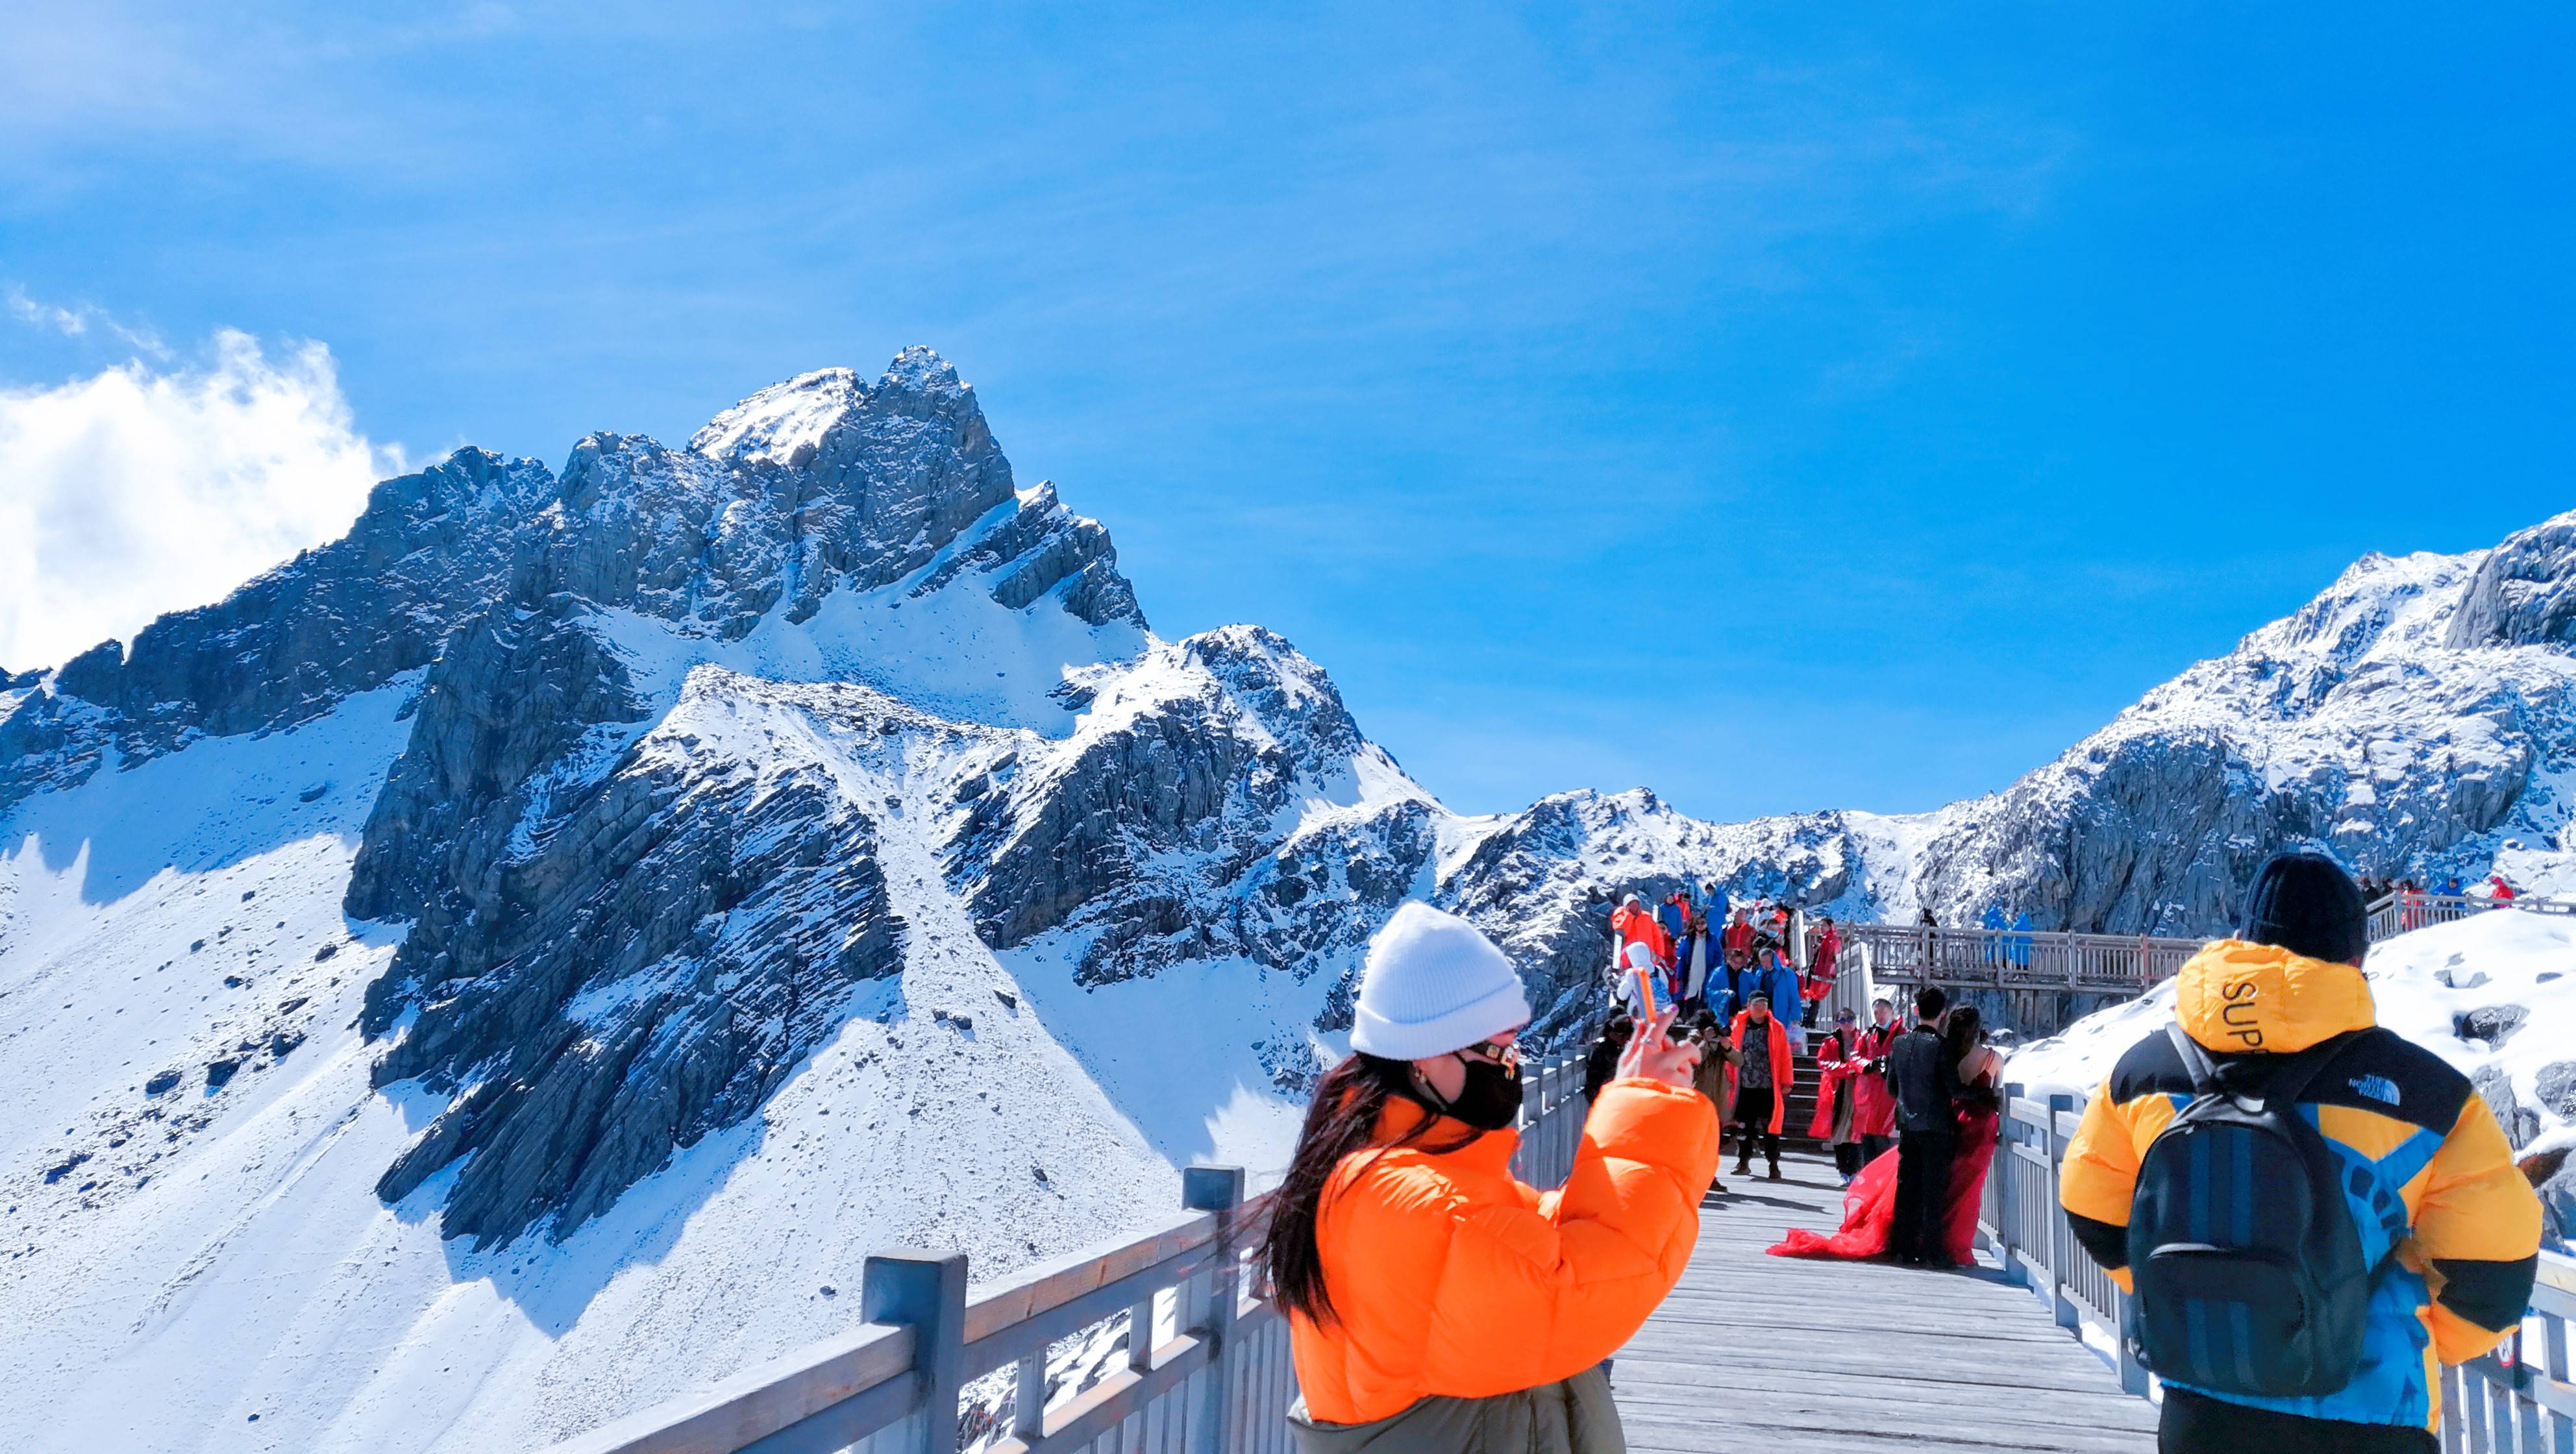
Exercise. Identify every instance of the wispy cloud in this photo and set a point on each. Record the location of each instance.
(148, 488)
(81, 320)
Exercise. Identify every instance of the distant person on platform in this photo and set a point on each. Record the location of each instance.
(1716, 1068)
(1841, 1061)
(2312, 1215)
(1434, 1302)
(1640, 978)
(1925, 1079)
(1873, 1104)
(1780, 982)
(1763, 1070)
(1823, 961)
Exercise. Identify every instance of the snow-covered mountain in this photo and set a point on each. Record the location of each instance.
(511, 964)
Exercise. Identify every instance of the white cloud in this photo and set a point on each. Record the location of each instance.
(75, 322)
(146, 489)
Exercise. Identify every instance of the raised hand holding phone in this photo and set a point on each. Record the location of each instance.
(1652, 1054)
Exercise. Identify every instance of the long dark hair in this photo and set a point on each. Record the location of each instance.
(1964, 1031)
(1349, 1102)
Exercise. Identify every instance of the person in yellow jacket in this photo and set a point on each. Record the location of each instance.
(1435, 1304)
(2448, 1231)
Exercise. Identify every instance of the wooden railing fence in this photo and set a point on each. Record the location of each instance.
(2404, 912)
(2519, 1398)
(1206, 1368)
(2006, 959)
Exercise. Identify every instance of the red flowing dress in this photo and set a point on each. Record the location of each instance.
(1869, 1203)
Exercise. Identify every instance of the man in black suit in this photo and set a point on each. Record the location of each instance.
(1926, 1087)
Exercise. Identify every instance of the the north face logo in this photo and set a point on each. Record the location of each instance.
(2378, 1087)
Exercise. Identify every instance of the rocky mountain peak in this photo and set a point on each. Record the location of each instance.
(2524, 592)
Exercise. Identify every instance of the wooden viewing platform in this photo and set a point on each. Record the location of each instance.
(1789, 1356)
(1750, 1352)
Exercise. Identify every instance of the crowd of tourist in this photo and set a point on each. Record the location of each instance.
(1707, 952)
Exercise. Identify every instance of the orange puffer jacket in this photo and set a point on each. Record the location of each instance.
(1449, 1278)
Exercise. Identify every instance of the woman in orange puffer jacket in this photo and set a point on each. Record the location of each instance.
(1434, 1303)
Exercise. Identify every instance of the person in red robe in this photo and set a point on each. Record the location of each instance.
(1869, 1203)
(1839, 1065)
(1873, 1104)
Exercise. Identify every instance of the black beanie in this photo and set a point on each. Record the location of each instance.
(2307, 904)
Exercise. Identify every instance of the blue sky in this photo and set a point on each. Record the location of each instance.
(1781, 406)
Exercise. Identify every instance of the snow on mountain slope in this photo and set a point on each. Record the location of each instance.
(222, 1254)
(510, 965)
(2413, 719)
(2495, 995)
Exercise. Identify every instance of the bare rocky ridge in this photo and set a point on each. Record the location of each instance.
(707, 739)
(430, 550)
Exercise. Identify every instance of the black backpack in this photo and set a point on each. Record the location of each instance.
(2247, 1261)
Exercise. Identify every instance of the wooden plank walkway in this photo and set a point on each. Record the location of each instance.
(1775, 1355)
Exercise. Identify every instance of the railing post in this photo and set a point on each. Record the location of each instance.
(925, 1291)
(2007, 1201)
(2060, 1253)
(2133, 1374)
(1217, 1189)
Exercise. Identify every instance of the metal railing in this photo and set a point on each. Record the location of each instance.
(2406, 911)
(1205, 1367)
(2521, 1396)
(2021, 1221)
(2518, 1398)
(2019, 959)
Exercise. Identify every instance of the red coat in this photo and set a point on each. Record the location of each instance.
(1874, 1106)
(1738, 935)
(1840, 1061)
(1783, 1069)
(1829, 949)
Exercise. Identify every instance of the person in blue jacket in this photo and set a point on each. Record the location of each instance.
(2021, 940)
(1780, 982)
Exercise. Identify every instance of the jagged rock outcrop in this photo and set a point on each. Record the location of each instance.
(2523, 594)
(430, 550)
(1159, 828)
(654, 960)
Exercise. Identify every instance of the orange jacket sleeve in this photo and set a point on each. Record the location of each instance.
(1527, 1297)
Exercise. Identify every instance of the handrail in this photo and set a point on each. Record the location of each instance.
(1220, 1383)
(2406, 910)
(2518, 1397)
(2020, 958)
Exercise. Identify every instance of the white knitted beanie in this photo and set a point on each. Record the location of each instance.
(1433, 984)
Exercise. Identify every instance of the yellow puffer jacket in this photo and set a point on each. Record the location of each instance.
(2459, 1262)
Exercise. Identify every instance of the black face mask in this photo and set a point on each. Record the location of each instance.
(1489, 1101)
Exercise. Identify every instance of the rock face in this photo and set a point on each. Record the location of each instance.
(430, 550)
(2414, 720)
(713, 750)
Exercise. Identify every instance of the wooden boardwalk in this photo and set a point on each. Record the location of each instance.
(1772, 1355)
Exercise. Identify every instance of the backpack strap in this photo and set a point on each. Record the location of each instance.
(2195, 1060)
